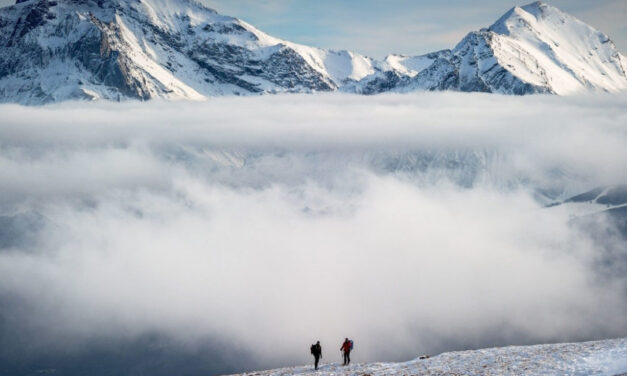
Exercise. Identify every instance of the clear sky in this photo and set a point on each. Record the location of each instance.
(379, 27)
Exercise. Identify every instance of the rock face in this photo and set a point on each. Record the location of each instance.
(55, 50)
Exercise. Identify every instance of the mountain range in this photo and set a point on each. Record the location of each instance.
(56, 50)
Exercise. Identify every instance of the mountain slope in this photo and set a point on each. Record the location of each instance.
(68, 49)
(568, 54)
(605, 358)
(607, 202)
(55, 50)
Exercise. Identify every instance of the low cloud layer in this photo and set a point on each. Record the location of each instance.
(243, 229)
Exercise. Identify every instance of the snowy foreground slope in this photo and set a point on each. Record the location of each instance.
(55, 50)
(607, 358)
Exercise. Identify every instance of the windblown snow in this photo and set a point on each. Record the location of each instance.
(606, 358)
(179, 49)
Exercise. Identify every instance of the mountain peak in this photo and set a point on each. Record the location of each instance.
(537, 7)
(525, 15)
(556, 49)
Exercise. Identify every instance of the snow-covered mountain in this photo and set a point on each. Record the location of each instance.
(531, 49)
(606, 358)
(54, 50)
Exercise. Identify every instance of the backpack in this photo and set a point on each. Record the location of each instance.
(351, 341)
(312, 349)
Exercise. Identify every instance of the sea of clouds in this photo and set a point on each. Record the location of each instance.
(231, 234)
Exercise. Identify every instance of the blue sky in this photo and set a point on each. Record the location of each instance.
(377, 28)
